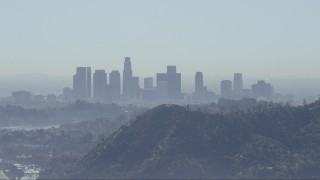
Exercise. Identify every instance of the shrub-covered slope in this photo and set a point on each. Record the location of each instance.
(170, 141)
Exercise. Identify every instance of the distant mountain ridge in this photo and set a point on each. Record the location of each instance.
(170, 141)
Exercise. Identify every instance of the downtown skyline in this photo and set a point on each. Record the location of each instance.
(100, 86)
(94, 85)
(42, 42)
(302, 88)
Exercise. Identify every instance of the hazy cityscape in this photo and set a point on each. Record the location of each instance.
(159, 89)
(125, 88)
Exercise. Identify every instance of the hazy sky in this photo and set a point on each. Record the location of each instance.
(261, 38)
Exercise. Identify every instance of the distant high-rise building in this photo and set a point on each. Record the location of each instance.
(148, 83)
(173, 80)
(237, 83)
(162, 86)
(174, 83)
(262, 89)
(127, 78)
(247, 93)
(82, 83)
(171, 70)
(114, 82)
(135, 87)
(162, 90)
(226, 89)
(99, 84)
(199, 88)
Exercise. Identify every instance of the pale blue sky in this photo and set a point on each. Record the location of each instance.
(261, 38)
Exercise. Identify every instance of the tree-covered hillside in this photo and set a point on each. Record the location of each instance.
(169, 141)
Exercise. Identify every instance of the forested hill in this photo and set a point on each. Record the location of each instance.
(170, 141)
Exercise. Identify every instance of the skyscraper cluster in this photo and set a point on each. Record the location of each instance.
(230, 91)
(168, 85)
(102, 90)
(259, 90)
(107, 87)
(262, 89)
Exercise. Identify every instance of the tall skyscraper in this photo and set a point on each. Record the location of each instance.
(199, 88)
(174, 83)
(262, 89)
(99, 84)
(135, 85)
(171, 70)
(148, 83)
(173, 80)
(162, 90)
(226, 89)
(114, 83)
(127, 78)
(237, 83)
(82, 83)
